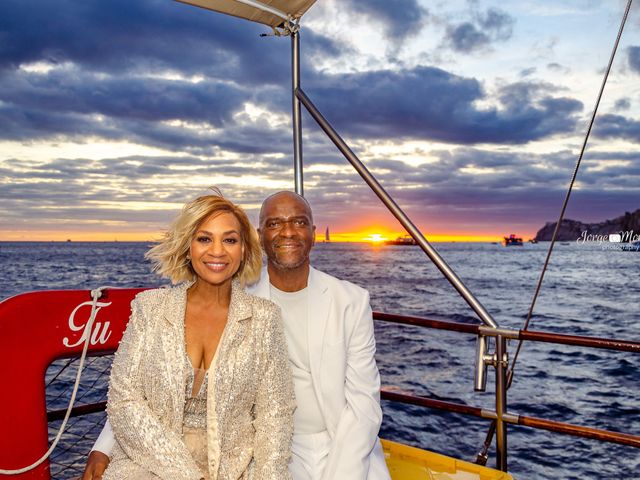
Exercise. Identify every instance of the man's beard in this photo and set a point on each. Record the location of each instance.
(290, 265)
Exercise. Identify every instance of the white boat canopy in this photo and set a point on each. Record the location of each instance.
(268, 12)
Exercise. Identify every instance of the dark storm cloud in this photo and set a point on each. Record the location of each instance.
(462, 169)
(77, 104)
(321, 45)
(486, 28)
(237, 138)
(108, 89)
(25, 125)
(429, 103)
(146, 35)
(617, 126)
(633, 57)
(400, 18)
(109, 74)
(124, 97)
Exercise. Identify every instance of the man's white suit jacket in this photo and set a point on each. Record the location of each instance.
(344, 372)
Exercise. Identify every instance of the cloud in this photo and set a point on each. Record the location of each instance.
(617, 126)
(466, 38)
(432, 104)
(172, 114)
(400, 18)
(175, 77)
(557, 68)
(446, 191)
(137, 98)
(491, 26)
(622, 104)
(498, 22)
(107, 189)
(527, 72)
(633, 57)
(141, 72)
(522, 189)
(96, 37)
(156, 73)
(146, 36)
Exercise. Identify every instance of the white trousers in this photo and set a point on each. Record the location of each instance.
(309, 454)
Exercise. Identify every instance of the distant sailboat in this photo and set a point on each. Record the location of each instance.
(327, 239)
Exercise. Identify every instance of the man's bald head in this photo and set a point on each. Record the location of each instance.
(286, 196)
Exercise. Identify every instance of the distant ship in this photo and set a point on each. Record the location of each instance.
(327, 239)
(512, 241)
(404, 240)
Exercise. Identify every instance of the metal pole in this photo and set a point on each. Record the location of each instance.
(397, 212)
(296, 116)
(501, 403)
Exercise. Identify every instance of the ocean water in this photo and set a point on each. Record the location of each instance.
(588, 290)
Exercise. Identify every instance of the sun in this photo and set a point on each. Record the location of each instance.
(375, 238)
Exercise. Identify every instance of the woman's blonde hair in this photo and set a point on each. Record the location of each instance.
(170, 258)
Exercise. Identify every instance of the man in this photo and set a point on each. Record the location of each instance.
(329, 331)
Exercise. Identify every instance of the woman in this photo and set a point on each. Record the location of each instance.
(201, 385)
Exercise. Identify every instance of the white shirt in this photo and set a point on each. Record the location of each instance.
(307, 417)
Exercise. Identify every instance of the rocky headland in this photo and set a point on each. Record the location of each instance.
(571, 230)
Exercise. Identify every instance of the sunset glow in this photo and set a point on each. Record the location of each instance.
(79, 236)
(379, 238)
(375, 238)
(116, 232)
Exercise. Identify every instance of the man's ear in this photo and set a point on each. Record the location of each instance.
(314, 236)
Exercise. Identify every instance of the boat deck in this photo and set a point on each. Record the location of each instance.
(410, 463)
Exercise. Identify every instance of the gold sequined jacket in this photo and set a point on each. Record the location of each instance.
(250, 399)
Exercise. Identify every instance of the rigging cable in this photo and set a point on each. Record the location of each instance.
(482, 456)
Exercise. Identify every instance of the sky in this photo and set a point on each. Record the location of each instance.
(471, 113)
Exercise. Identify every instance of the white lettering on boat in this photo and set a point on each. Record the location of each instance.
(100, 332)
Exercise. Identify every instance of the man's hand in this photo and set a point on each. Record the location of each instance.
(96, 465)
